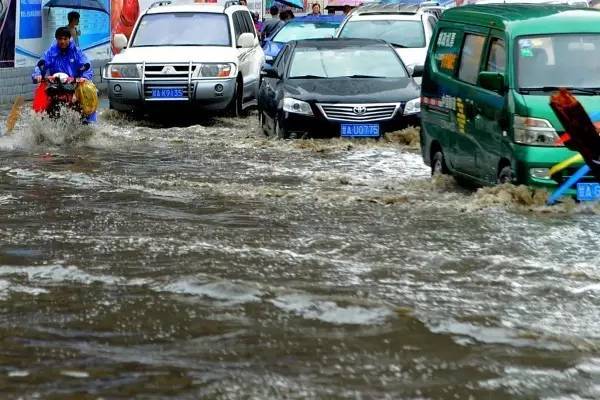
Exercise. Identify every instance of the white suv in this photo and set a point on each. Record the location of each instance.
(406, 27)
(206, 55)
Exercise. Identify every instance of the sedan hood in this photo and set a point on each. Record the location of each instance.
(176, 54)
(353, 90)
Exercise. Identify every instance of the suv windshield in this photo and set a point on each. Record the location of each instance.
(346, 62)
(305, 30)
(396, 32)
(570, 61)
(183, 29)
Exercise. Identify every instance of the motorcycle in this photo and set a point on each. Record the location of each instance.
(59, 91)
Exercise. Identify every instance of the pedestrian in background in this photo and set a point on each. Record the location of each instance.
(347, 9)
(316, 10)
(271, 24)
(73, 18)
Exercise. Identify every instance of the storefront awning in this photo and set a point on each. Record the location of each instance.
(78, 5)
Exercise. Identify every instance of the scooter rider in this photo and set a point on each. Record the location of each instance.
(63, 56)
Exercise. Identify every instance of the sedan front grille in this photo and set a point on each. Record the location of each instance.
(359, 112)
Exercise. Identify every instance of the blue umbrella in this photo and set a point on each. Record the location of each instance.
(78, 5)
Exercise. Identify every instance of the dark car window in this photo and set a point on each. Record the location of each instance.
(248, 23)
(447, 49)
(470, 58)
(364, 61)
(281, 59)
(238, 24)
(497, 58)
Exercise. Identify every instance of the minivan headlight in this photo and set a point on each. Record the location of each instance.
(535, 131)
(214, 70)
(296, 106)
(123, 71)
(413, 107)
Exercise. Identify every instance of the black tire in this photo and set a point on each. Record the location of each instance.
(438, 164)
(280, 130)
(262, 123)
(234, 109)
(505, 175)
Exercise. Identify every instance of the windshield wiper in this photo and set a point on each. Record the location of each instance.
(362, 76)
(584, 90)
(307, 77)
(398, 45)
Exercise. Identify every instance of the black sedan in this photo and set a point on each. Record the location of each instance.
(337, 87)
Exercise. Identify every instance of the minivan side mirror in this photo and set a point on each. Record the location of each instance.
(246, 40)
(417, 71)
(268, 71)
(120, 41)
(493, 81)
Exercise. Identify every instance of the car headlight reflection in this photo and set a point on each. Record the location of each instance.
(123, 71)
(214, 70)
(296, 106)
(412, 107)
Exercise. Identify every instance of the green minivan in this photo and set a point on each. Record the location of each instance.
(487, 82)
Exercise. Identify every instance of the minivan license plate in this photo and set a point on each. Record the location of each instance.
(360, 130)
(167, 93)
(588, 191)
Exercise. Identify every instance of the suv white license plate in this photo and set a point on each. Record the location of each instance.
(359, 130)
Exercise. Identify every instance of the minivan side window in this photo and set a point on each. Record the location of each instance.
(447, 48)
(470, 58)
(497, 59)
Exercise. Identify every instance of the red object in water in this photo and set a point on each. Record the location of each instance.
(41, 100)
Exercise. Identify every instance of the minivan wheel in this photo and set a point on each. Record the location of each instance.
(438, 164)
(505, 175)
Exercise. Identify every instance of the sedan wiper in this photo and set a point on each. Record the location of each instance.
(592, 91)
(398, 45)
(307, 77)
(362, 76)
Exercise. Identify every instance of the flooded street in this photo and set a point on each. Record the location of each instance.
(152, 261)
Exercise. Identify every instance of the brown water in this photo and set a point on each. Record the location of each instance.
(152, 261)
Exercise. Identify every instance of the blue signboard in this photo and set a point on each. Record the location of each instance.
(30, 19)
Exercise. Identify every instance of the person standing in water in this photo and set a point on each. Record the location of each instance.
(73, 18)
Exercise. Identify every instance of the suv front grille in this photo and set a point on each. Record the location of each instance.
(169, 71)
(359, 112)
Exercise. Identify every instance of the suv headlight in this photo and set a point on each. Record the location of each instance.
(536, 131)
(214, 70)
(296, 106)
(122, 71)
(413, 107)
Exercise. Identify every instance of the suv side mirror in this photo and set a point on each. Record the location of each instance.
(268, 71)
(246, 40)
(417, 71)
(493, 81)
(120, 41)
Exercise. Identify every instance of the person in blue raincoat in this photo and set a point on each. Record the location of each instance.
(64, 56)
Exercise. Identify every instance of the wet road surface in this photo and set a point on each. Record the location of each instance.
(151, 261)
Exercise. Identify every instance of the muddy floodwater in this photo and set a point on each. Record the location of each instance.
(200, 260)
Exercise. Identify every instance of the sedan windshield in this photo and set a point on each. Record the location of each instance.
(305, 30)
(547, 62)
(359, 62)
(398, 33)
(183, 29)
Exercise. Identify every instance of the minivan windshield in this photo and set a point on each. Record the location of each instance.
(352, 62)
(565, 60)
(182, 29)
(399, 33)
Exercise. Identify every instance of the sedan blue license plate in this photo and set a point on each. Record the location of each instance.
(167, 93)
(588, 191)
(360, 130)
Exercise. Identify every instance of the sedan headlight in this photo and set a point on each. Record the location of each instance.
(413, 107)
(536, 131)
(296, 106)
(123, 71)
(214, 70)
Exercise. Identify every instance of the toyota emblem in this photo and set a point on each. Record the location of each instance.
(359, 110)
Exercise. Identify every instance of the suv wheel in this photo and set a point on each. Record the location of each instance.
(234, 109)
(262, 123)
(438, 164)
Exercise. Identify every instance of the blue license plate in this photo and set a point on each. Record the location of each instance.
(588, 191)
(360, 130)
(167, 93)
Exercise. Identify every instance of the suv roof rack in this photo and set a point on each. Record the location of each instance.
(230, 3)
(160, 3)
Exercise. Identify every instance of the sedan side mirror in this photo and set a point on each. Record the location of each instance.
(269, 72)
(417, 71)
(120, 41)
(493, 81)
(246, 40)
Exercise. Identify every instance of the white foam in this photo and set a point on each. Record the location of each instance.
(225, 291)
(58, 274)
